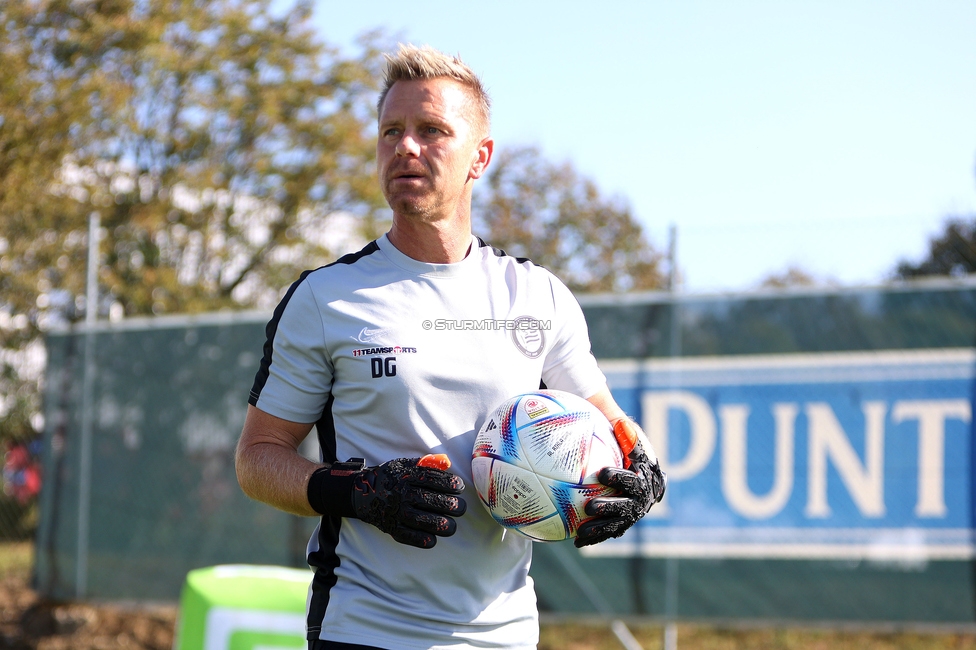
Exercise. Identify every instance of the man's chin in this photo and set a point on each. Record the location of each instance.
(411, 208)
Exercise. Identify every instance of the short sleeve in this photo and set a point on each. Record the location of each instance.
(295, 377)
(570, 364)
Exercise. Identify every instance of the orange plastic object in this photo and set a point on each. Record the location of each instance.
(437, 461)
(626, 437)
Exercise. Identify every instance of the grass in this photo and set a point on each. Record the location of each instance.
(16, 559)
(570, 636)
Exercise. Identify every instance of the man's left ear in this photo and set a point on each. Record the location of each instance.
(483, 157)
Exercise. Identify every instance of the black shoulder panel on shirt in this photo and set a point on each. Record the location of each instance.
(261, 378)
(500, 253)
(349, 258)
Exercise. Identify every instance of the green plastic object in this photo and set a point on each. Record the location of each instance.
(243, 607)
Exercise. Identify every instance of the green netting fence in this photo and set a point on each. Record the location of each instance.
(155, 494)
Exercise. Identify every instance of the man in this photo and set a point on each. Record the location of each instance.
(353, 350)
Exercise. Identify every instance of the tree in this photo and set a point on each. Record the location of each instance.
(218, 141)
(953, 252)
(792, 276)
(214, 139)
(533, 208)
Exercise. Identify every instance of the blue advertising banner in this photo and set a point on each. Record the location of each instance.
(845, 455)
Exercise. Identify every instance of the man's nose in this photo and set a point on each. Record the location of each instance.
(407, 146)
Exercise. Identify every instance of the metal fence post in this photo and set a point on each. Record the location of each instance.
(87, 408)
(671, 562)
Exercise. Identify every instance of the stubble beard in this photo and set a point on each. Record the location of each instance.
(418, 209)
(431, 205)
(425, 207)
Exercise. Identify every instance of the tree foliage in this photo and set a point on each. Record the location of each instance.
(791, 277)
(217, 141)
(953, 252)
(534, 208)
(214, 139)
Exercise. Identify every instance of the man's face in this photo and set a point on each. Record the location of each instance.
(430, 146)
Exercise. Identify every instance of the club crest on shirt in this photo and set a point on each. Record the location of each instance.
(528, 336)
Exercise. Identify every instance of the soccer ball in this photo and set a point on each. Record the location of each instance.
(535, 462)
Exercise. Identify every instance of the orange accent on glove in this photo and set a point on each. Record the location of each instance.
(626, 435)
(437, 461)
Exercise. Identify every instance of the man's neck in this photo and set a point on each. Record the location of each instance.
(437, 242)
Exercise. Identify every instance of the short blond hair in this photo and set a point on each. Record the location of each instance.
(411, 62)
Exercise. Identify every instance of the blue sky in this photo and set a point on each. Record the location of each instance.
(833, 136)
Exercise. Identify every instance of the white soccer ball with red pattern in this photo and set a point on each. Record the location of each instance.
(535, 462)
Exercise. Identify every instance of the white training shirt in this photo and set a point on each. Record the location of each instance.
(392, 358)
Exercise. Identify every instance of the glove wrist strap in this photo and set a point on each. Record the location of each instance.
(330, 488)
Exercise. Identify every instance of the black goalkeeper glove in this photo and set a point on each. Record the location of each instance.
(412, 499)
(641, 485)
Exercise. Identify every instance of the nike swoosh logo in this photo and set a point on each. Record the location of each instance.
(366, 335)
